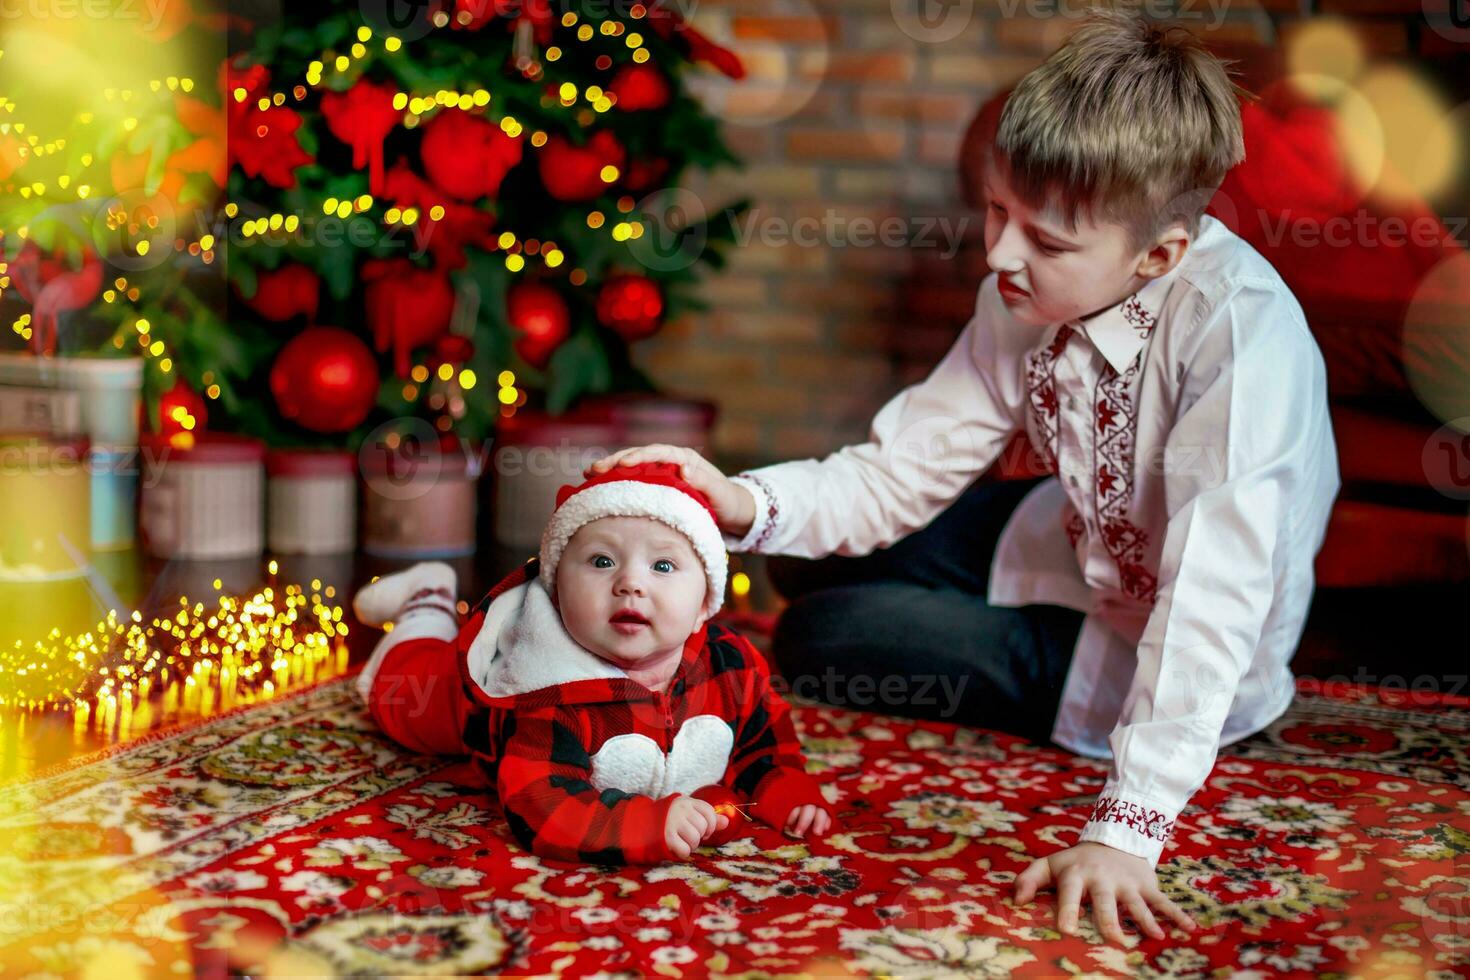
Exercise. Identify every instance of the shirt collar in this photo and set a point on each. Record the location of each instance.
(1120, 331)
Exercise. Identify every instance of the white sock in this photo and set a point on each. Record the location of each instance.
(419, 601)
(386, 599)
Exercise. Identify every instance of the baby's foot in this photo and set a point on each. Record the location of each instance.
(428, 582)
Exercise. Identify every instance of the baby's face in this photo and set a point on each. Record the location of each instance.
(630, 589)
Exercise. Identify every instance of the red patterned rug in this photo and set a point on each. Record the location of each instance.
(291, 838)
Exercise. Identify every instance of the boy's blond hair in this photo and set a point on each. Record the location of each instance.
(1132, 121)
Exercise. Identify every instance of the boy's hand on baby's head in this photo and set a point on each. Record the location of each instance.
(689, 822)
(733, 505)
(808, 817)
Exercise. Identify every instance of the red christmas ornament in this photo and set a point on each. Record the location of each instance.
(362, 117)
(280, 294)
(452, 348)
(407, 307)
(325, 379)
(631, 305)
(180, 409)
(640, 87)
(539, 314)
(574, 173)
(460, 225)
(466, 156)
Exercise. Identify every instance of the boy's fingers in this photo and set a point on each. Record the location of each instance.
(824, 822)
(1164, 904)
(1069, 900)
(1036, 876)
(1105, 915)
(721, 821)
(808, 817)
(1143, 918)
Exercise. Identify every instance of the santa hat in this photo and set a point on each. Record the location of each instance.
(653, 490)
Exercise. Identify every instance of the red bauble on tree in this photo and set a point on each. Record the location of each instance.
(180, 409)
(466, 156)
(640, 87)
(574, 173)
(280, 294)
(325, 379)
(407, 307)
(539, 314)
(631, 305)
(362, 117)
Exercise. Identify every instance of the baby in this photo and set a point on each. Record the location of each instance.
(618, 724)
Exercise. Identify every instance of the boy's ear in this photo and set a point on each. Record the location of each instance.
(1167, 252)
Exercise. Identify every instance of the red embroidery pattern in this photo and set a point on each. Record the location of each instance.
(1137, 317)
(1116, 428)
(1149, 823)
(1075, 528)
(773, 511)
(1041, 369)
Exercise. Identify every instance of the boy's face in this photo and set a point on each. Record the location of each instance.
(1050, 273)
(630, 589)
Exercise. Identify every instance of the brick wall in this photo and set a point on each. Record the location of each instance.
(851, 117)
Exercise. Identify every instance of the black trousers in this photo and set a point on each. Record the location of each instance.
(906, 630)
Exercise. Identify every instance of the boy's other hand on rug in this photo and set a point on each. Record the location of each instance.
(1112, 878)
(689, 822)
(808, 817)
(733, 505)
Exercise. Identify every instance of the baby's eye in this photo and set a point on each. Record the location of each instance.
(602, 561)
(663, 565)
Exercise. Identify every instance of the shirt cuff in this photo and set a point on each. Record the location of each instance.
(767, 510)
(1135, 826)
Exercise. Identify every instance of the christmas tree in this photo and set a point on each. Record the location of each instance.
(444, 217)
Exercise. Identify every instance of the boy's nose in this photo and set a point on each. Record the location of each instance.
(1005, 256)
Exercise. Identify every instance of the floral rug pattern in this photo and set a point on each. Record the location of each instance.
(293, 838)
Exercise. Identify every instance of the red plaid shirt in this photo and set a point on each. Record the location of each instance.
(538, 748)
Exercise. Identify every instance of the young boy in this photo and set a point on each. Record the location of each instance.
(1167, 377)
(619, 725)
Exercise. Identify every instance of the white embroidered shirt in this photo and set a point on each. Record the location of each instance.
(1194, 471)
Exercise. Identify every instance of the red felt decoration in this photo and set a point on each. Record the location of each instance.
(460, 224)
(574, 173)
(539, 314)
(630, 304)
(325, 379)
(668, 23)
(362, 117)
(407, 307)
(178, 404)
(453, 348)
(643, 175)
(281, 294)
(262, 141)
(52, 288)
(639, 87)
(466, 156)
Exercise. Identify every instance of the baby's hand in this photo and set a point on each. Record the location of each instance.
(809, 817)
(733, 505)
(689, 822)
